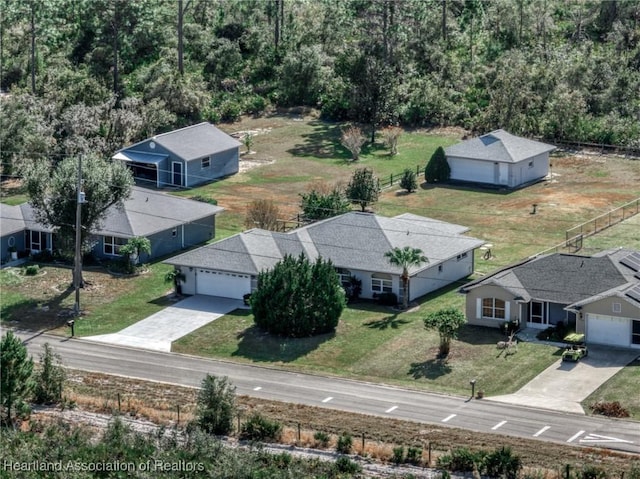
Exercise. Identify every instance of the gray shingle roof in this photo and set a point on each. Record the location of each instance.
(560, 278)
(11, 220)
(499, 146)
(196, 141)
(353, 241)
(145, 212)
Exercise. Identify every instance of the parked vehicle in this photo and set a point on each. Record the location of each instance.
(576, 348)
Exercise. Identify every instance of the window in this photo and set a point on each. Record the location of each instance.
(112, 245)
(536, 312)
(617, 307)
(531, 164)
(439, 268)
(344, 275)
(174, 232)
(206, 162)
(461, 256)
(635, 332)
(36, 240)
(381, 283)
(493, 308)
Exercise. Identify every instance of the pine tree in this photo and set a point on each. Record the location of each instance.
(49, 381)
(15, 374)
(437, 169)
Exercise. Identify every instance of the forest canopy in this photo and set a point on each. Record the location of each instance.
(95, 75)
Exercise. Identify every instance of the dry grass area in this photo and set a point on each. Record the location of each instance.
(157, 402)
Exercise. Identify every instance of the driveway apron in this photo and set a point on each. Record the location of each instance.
(564, 385)
(159, 330)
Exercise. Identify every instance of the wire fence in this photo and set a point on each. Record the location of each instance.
(394, 178)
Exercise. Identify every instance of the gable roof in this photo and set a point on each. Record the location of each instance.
(144, 213)
(195, 141)
(499, 146)
(563, 278)
(352, 240)
(11, 220)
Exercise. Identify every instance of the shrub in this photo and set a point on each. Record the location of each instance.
(591, 472)
(353, 139)
(298, 298)
(205, 199)
(49, 380)
(345, 443)
(461, 460)
(216, 405)
(398, 455)
(391, 134)
(347, 466)
(408, 181)
(437, 170)
(246, 299)
(32, 270)
(322, 438)
(259, 428)
(353, 288)
(502, 463)
(414, 455)
(43, 256)
(387, 299)
(610, 409)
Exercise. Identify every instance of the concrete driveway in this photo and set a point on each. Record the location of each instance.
(159, 330)
(563, 385)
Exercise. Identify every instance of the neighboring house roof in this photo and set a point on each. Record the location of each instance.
(189, 143)
(353, 241)
(11, 220)
(144, 213)
(566, 279)
(499, 146)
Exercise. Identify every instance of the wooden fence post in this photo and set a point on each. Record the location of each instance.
(119, 410)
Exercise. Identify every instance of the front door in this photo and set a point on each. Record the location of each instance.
(176, 173)
(538, 314)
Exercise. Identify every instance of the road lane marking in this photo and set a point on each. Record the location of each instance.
(499, 425)
(327, 399)
(542, 431)
(257, 388)
(599, 438)
(391, 409)
(575, 436)
(449, 418)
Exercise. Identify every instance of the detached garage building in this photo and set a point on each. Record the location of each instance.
(500, 159)
(599, 295)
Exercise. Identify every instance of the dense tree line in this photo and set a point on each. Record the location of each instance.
(97, 74)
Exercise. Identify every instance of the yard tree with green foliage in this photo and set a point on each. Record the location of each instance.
(447, 322)
(317, 205)
(16, 370)
(437, 170)
(216, 405)
(53, 193)
(49, 379)
(409, 181)
(406, 258)
(297, 298)
(363, 188)
(131, 251)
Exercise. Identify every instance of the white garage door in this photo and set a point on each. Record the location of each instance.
(219, 283)
(608, 330)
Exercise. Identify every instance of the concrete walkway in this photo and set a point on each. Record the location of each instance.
(159, 330)
(564, 385)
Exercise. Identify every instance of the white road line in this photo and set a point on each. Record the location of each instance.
(542, 431)
(449, 418)
(391, 409)
(599, 438)
(499, 425)
(327, 399)
(575, 436)
(257, 388)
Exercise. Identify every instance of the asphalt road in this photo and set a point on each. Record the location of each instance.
(347, 395)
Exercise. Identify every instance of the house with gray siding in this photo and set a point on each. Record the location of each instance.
(499, 159)
(169, 222)
(186, 157)
(355, 242)
(597, 295)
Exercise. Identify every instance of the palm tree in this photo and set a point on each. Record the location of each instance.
(405, 258)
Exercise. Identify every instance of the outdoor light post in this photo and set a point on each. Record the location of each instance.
(473, 387)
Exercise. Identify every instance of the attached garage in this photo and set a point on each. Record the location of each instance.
(223, 284)
(609, 330)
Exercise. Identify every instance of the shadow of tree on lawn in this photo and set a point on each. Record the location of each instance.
(389, 322)
(260, 346)
(430, 369)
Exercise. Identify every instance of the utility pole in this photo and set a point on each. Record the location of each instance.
(77, 267)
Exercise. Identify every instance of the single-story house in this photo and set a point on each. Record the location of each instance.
(500, 159)
(185, 157)
(169, 222)
(599, 295)
(355, 243)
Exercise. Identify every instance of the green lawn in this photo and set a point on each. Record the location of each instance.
(623, 387)
(375, 343)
